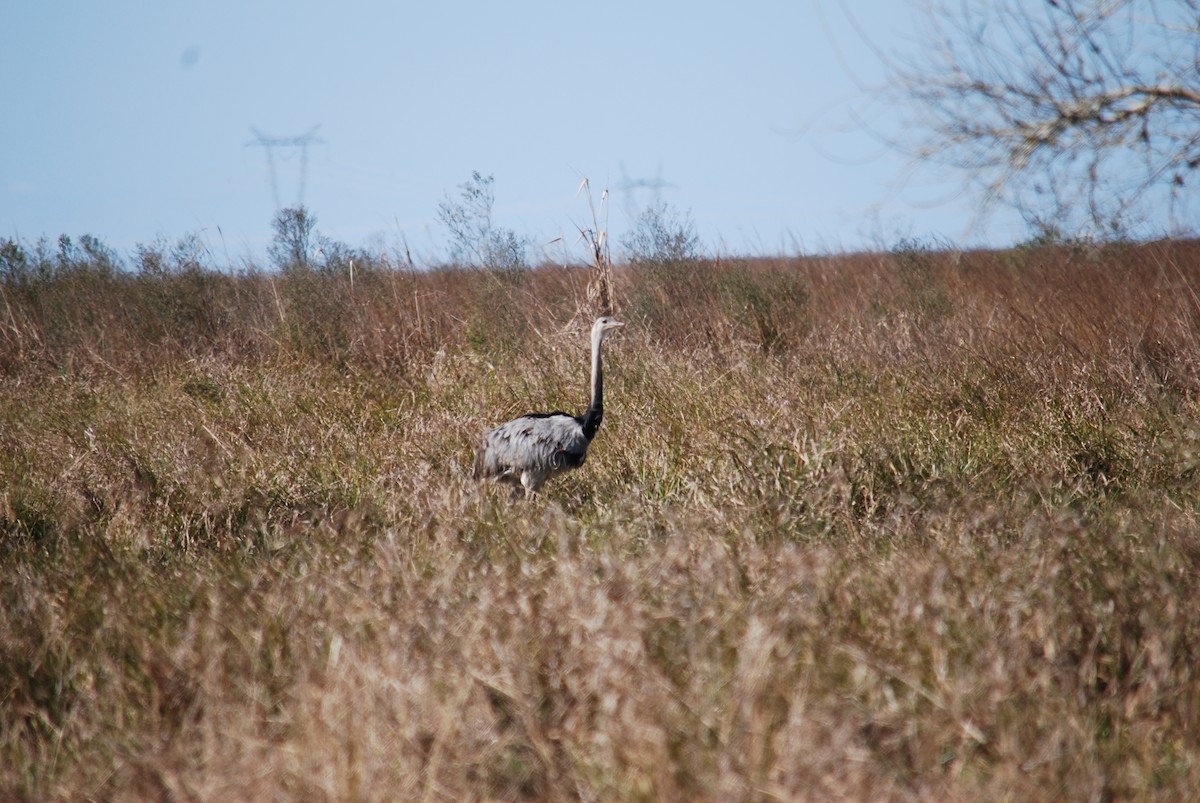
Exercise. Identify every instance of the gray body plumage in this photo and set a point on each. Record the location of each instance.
(531, 449)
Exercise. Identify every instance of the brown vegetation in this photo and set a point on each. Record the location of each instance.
(916, 525)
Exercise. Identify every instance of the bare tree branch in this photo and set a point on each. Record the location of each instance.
(1091, 109)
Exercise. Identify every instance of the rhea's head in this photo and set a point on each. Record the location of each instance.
(603, 325)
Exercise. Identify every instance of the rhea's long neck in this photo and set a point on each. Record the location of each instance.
(595, 410)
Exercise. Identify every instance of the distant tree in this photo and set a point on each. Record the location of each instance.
(14, 260)
(90, 254)
(293, 246)
(68, 254)
(661, 236)
(159, 257)
(151, 259)
(1077, 112)
(98, 255)
(474, 240)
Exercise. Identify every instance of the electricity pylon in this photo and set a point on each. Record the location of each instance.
(269, 144)
(654, 185)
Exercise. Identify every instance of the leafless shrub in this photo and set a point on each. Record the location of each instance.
(475, 240)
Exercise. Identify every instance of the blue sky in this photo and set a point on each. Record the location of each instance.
(130, 121)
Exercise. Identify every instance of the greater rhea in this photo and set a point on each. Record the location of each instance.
(529, 450)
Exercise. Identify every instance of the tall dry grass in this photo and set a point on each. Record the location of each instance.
(914, 525)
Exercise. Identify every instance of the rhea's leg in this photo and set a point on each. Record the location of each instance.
(532, 483)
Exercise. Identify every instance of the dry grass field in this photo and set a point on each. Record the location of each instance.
(918, 525)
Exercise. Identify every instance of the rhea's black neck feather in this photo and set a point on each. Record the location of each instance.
(595, 411)
(592, 418)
